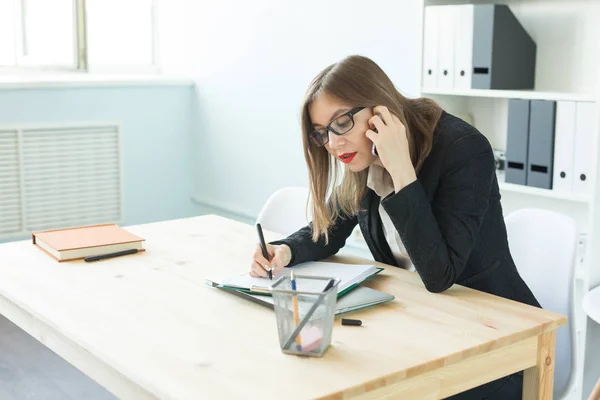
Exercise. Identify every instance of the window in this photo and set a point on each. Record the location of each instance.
(7, 33)
(120, 33)
(84, 35)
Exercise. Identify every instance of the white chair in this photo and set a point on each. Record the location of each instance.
(591, 306)
(543, 245)
(285, 211)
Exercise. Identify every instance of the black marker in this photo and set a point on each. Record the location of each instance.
(352, 322)
(263, 246)
(111, 255)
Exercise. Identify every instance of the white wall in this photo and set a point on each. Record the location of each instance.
(252, 62)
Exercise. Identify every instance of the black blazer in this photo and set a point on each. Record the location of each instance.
(450, 220)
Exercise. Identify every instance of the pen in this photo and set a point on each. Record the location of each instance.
(296, 315)
(110, 255)
(263, 246)
(310, 312)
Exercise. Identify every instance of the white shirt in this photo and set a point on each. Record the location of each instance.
(380, 181)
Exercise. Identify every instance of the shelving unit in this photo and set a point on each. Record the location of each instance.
(511, 94)
(567, 65)
(567, 68)
(546, 193)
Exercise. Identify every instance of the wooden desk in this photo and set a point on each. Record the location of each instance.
(146, 327)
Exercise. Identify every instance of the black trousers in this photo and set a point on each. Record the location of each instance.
(507, 388)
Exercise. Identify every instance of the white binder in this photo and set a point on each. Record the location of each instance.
(584, 148)
(463, 45)
(564, 142)
(447, 21)
(430, 47)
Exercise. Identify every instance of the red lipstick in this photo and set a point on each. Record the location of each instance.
(347, 157)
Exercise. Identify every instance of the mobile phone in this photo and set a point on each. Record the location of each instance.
(373, 148)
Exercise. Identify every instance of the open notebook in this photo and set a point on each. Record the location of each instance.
(356, 299)
(350, 276)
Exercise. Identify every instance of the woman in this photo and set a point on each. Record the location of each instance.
(418, 181)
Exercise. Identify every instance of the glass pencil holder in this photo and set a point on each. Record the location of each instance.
(305, 315)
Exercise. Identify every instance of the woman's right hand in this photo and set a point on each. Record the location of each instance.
(279, 255)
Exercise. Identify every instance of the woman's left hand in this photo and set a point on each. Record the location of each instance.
(392, 146)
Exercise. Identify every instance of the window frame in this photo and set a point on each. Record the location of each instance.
(25, 65)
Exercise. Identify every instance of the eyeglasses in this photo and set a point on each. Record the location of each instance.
(341, 125)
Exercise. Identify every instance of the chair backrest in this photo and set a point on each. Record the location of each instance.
(285, 211)
(543, 245)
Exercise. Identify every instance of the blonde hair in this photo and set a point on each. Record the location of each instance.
(358, 81)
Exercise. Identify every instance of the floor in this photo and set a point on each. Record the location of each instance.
(30, 371)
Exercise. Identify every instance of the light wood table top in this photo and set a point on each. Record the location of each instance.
(146, 326)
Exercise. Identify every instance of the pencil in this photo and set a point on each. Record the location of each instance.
(296, 315)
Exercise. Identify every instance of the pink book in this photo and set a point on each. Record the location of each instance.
(81, 242)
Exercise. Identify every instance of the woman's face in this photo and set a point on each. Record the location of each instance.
(352, 148)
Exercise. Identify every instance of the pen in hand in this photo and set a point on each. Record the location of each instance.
(263, 246)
